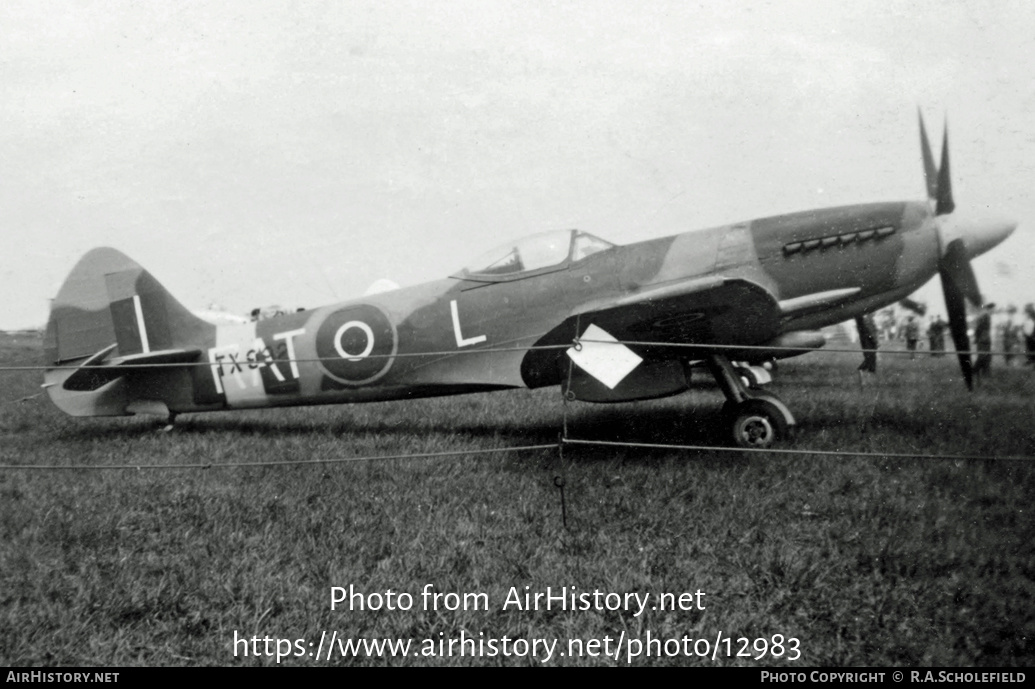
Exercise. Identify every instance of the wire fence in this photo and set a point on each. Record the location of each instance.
(564, 440)
(575, 343)
(281, 463)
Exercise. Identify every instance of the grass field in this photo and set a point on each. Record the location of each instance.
(870, 560)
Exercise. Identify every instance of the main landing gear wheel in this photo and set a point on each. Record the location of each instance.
(758, 419)
(757, 423)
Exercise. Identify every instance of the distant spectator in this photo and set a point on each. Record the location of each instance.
(912, 332)
(887, 325)
(869, 341)
(936, 336)
(1009, 333)
(1028, 328)
(983, 341)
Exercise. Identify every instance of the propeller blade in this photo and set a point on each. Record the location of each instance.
(945, 204)
(958, 327)
(930, 171)
(956, 264)
(958, 285)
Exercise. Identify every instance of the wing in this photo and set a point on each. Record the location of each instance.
(702, 311)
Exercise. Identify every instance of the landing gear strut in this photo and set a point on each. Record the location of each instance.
(756, 418)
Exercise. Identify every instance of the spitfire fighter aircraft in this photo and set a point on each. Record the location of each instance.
(607, 323)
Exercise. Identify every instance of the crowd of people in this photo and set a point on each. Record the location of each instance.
(1007, 331)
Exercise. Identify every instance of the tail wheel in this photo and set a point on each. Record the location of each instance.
(758, 423)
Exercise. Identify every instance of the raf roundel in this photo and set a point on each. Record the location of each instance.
(356, 344)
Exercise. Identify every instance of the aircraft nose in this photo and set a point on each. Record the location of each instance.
(983, 232)
(989, 232)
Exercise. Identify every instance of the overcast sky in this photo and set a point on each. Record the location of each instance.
(252, 153)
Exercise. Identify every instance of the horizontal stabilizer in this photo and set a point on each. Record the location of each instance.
(163, 356)
(98, 371)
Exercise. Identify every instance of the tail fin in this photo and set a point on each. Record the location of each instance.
(110, 299)
(109, 312)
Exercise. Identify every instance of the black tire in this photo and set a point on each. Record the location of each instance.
(757, 423)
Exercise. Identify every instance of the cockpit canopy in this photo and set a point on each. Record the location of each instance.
(534, 253)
